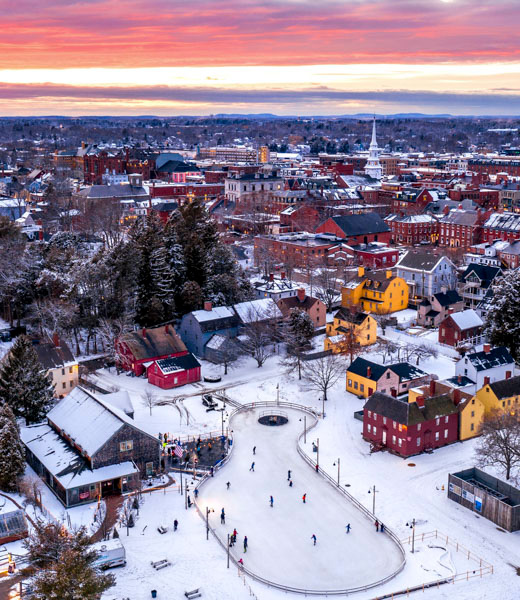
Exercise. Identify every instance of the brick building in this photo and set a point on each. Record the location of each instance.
(357, 229)
(413, 229)
(501, 226)
(457, 328)
(461, 228)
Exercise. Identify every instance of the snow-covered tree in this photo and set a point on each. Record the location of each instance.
(300, 328)
(63, 563)
(12, 455)
(323, 373)
(24, 385)
(499, 444)
(503, 319)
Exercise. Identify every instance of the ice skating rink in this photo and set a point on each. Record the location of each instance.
(280, 548)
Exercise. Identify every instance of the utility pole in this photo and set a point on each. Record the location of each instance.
(338, 470)
(318, 451)
(323, 406)
(373, 491)
(304, 429)
(412, 527)
(207, 523)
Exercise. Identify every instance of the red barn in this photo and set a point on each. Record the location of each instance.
(408, 428)
(168, 373)
(459, 327)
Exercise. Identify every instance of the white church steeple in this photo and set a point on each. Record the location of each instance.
(373, 166)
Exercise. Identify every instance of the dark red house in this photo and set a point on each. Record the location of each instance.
(168, 373)
(459, 327)
(357, 229)
(408, 428)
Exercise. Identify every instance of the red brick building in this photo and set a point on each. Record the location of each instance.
(299, 218)
(501, 226)
(412, 229)
(461, 228)
(357, 229)
(173, 372)
(408, 428)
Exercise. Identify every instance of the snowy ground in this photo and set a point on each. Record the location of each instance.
(280, 546)
(403, 492)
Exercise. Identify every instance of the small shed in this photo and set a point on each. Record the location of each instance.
(486, 495)
(13, 525)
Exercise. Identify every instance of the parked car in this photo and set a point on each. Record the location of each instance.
(208, 401)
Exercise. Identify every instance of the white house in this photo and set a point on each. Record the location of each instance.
(276, 288)
(426, 273)
(486, 365)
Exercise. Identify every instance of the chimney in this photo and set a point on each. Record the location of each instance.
(56, 340)
(508, 374)
(456, 397)
(389, 274)
(271, 276)
(420, 401)
(432, 387)
(369, 372)
(486, 380)
(301, 294)
(144, 332)
(487, 348)
(459, 379)
(450, 310)
(361, 271)
(282, 275)
(208, 306)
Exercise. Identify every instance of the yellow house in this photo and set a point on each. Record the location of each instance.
(500, 395)
(379, 292)
(471, 408)
(360, 327)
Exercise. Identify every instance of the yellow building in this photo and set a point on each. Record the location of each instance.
(471, 408)
(379, 292)
(500, 395)
(263, 154)
(347, 325)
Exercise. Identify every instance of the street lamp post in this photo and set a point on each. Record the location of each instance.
(412, 527)
(228, 550)
(339, 469)
(323, 406)
(318, 451)
(207, 523)
(373, 491)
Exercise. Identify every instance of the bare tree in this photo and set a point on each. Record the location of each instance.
(386, 349)
(126, 515)
(110, 331)
(500, 442)
(149, 400)
(258, 341)
(328, 288)
(323, 373)
(228, 354)
(422, 352)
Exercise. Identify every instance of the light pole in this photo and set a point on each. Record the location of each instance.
(339, 469)
(323, 406)
(304, 429)
(207, 523)
(373, 491)
(222, 418)
(318, 451)
(228, 550)
(412, 527)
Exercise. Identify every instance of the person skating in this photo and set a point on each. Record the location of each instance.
(254, 450)
(317, 467)
(196, 493)
(241, 562)
(252, 468)
(347, 527)
(175, 525)
(228, 484)
(222, 517)
(313, 538)
(234, 535)
(377, 525)
(304, 498)
(382, 528)
(245, 543)
(271, 501)
(290, 482)
(289, 475)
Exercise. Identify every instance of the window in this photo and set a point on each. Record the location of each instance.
(63, 371)
(388, 375)
(445, 434)
(436, 436)
(418, 441)
(437, 421)
(355, 385)
(350, 383)
(126, 446)
(71, 383)
(400, 427)
(369, 414)
(418, 427)
(149, 468)
(394, 424)
(64, 385)
(384, 420)
(374, 430)
(369, 428)
(70, 369)
(472, 427)
(472, 413)
(393, 440)
(446, 419)
(362, 387)
(400, 442)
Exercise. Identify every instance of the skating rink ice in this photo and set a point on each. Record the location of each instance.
(280, 547)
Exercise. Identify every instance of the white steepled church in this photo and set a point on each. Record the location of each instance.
(373, 166)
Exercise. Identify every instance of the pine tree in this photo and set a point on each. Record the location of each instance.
(24, 386)
(12, 454)
(64, 564)
(503, 319)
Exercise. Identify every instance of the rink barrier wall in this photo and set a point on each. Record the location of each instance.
(365, 511)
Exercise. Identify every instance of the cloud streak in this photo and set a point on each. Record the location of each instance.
(113, 33)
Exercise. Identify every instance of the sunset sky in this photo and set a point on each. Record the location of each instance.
(293, 57)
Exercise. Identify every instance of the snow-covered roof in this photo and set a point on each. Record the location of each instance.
(87, 420)
(257, 310)
(467, 319)
(69, 468)
(120, 400)
(217, 312)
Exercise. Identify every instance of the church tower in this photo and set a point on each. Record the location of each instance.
(373, 166)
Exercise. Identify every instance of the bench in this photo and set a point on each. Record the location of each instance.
(162, 529)
(193, 594)
(158, 563)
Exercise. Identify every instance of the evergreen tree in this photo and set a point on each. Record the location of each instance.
(503, 319)
(12, 454)
(24, 386)
(64, 564)
(301, 328)
(191, 297)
